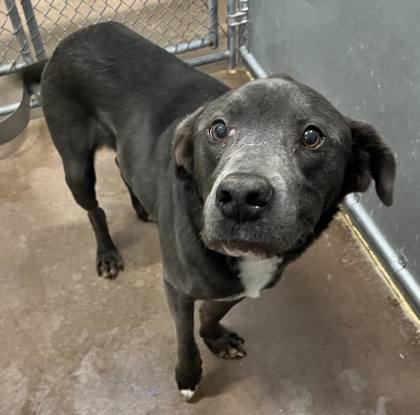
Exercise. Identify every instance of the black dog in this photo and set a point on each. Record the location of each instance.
(240, 182)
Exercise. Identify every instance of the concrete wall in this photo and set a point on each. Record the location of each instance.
(364, 56)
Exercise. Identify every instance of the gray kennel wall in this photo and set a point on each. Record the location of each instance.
(364, 56)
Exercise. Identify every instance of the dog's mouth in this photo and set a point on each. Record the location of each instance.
(253, 248)
(237, 248)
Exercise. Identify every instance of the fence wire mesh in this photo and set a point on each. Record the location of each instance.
(166, 22)
(10, 46)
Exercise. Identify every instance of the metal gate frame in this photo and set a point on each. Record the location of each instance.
(27, 23)
(29, 18)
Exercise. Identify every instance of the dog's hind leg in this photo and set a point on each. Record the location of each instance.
(76, 136)
(221, 341)
(80, 177)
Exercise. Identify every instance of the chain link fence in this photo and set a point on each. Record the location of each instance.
(30, 30)
(13, 43)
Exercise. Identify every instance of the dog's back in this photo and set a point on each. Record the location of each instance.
(122, 81)
(105, 85)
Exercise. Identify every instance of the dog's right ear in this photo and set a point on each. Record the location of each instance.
(183, 147)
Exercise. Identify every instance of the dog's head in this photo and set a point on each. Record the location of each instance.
(269, 158)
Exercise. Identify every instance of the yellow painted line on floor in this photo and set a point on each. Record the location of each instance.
(393, 288)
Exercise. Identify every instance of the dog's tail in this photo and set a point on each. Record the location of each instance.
(31, 75)
(16, 122)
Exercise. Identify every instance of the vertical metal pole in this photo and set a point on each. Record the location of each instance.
(242, 29)
(18, 31)
(37, 42)
(232, 32)
(213, 23)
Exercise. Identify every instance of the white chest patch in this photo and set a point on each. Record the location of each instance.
(256, 274)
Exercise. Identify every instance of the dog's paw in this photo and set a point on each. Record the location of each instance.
(228, 345)
(109, 263)
(188, 377)
(187, 394)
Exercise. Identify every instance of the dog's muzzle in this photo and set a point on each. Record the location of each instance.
(248, 214)
(243, 197)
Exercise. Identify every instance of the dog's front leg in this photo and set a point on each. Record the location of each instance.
(188, 367)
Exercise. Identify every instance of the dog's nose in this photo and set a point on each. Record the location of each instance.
(242, 197)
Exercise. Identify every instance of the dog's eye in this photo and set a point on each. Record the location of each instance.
(312, 137)
(218, 130)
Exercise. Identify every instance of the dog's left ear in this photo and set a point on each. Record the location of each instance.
(370, 159)
(183, 145)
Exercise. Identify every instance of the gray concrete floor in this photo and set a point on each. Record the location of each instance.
(328, 340)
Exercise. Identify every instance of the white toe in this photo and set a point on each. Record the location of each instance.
(187, 393)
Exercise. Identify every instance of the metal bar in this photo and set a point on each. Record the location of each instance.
(175, 49)
(236, 20)
(242, 28)
(33, 29)
(183, 47)
(392, 261)
(9, 68)
(211, 57)
(396, 265)
(239, 18)
(189, 46)
(11, 108)
(249, 59)
(18, 31)
(231, 34)
(213, 23)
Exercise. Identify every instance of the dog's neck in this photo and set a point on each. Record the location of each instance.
(319, 228)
